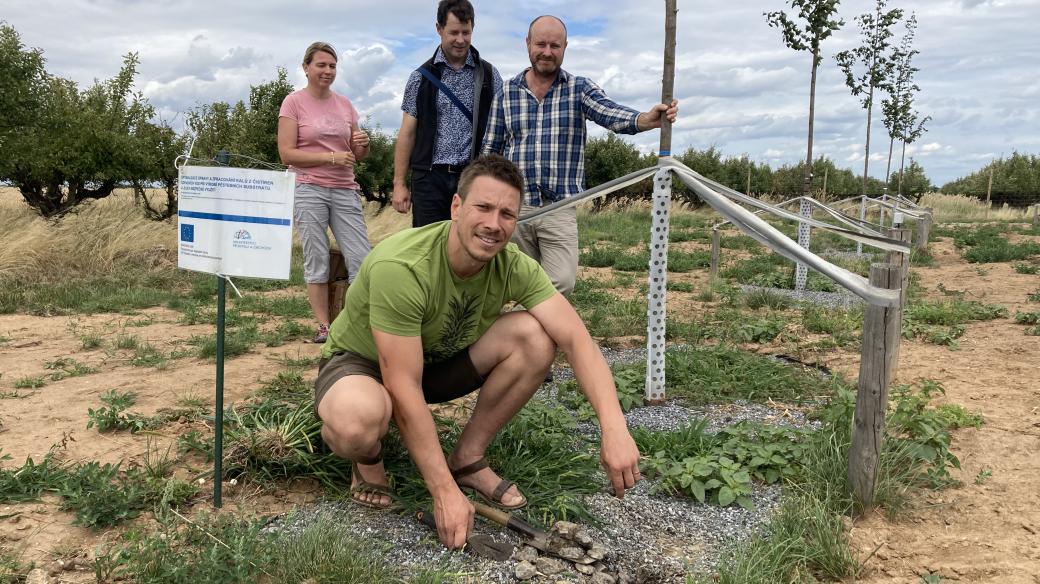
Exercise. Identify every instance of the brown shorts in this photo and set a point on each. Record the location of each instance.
(441, 382)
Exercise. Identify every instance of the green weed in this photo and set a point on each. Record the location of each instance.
(1027, 317)
(30, 382)
(63, 367)
(111, 417)
(90, 340)
(1027, 268)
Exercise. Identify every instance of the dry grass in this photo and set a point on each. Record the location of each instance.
(96, 238)
(102, 236)
(954, 208)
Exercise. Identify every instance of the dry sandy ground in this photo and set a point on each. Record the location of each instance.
(988, 532)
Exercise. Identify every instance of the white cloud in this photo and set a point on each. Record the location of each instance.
(741, 88)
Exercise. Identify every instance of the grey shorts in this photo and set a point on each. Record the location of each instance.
(441, 382)
(317, 209)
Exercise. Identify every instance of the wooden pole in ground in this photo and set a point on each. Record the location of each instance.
(668, 81)
(878, 357)
(748, 193)
(716, 245)
(1035, 209)
(898, 258)
(824, 195)
(989, 191)
(924, 230)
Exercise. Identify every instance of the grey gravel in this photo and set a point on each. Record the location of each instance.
(841, 299)
(649, 536)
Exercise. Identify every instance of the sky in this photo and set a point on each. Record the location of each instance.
(740, 88)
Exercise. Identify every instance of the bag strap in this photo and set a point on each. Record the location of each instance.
(478, 85)
(447, 92)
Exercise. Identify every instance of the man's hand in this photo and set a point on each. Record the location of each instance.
(358, 140)
(620, 458)
(402, 198)
(649, 120)
(454, 516)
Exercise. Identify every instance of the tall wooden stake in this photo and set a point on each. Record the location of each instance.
(668, 82)
(878, 357)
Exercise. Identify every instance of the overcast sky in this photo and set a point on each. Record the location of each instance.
(740, 88)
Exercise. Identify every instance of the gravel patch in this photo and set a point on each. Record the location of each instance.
(654, 536)
(842, 299)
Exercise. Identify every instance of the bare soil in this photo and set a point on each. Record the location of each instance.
(987, 530)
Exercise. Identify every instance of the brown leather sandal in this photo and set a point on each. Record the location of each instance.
(364, 487)
(495, 499)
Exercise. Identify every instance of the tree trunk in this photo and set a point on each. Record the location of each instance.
(807, 175)
(888, 168)
(902, 160)
(866, 154)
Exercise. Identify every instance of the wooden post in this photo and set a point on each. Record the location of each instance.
(716, 245)
(924, 229)
(1035, 208)
(668, 81)
(748, 193)
(989, 189)
(878, 357)
(897, 258)
(337, 283)
(823, 196)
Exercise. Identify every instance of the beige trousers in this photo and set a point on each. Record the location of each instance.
(552, 240)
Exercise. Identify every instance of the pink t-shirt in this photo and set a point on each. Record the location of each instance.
(323, 125)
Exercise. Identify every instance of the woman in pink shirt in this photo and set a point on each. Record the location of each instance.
(319, 138)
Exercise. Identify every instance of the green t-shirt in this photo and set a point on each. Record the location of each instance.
(405, 287)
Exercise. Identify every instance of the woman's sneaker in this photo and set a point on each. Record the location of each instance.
(322, 334)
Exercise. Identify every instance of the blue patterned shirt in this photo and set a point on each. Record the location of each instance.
(454, 130)
(547, 139)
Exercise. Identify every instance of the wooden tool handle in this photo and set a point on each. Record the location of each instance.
(497, 515)
(505, 519)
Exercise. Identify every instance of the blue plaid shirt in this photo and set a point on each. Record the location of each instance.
(547, 139)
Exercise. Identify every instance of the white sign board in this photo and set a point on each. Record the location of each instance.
(235, 221)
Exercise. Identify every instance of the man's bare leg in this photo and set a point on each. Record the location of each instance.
(356, 414)
(514, 355)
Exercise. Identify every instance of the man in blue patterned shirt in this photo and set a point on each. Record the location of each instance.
(538, 122)
(440, 103)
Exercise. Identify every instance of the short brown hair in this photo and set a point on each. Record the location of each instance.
(462, 9)
(315, 47)
(495, 166)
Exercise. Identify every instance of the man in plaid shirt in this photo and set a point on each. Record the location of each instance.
(537, 121)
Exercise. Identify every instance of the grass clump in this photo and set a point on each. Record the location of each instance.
(210, 549)
(760, 298)
(605, 314)
(30, 382)
(942, 322)
(842, 325)
(63, 367)
(729, 325)
(1027, 268)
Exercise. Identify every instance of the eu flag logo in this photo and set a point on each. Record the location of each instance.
(188, 232)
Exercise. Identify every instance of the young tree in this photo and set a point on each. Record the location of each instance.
(820, 23)
(912, 129)
(898, 105)
(876, 60)
(249, 130)
(375, 174)
(79, 145)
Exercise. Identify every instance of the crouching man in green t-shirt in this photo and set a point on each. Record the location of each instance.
(423, 323)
